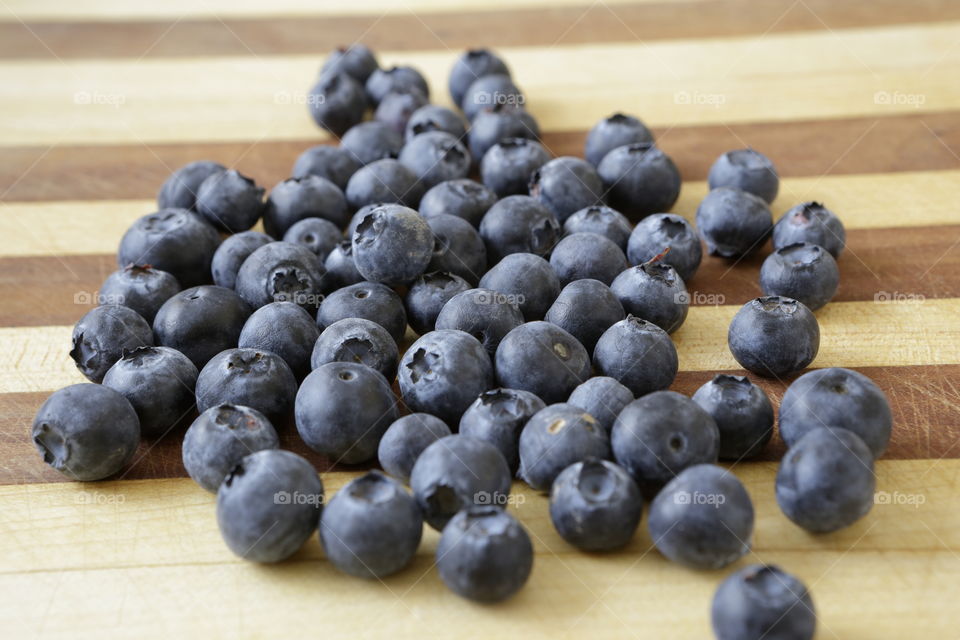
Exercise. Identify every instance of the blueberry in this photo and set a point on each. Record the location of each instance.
(485, 314)
(640, 179)
(172, 240)
(595, 505)
(488, 90)
(473, 64)
(518, 224)
(442, 373)
(396, 108)
(220, 438)
(427, 296)
(358, 217)
(603, 220)
(463, 198)
(141, 288)
(316, 234)
(587, 256)
(435, 157)
(179, 191)
(543, 359)
(269, 505)
(638, 354)
(839, 398)
(457, 248)
(86, 431)
(295, 199)
(281, 272)
(497, 123)
(383, 81)
(661, 434)
(103, 335)
(357, 60)
(612, 132)
(201, 322)
(585, 309)
(230, 201)
(340, 267)
(826, 480)
(360, 341)
(382, 181)
(813, 223)
(231, 254)
(457, 472)
(337, 102)
(666, 232)
(507, 167)
(747, 170)
(433, 117)
(367, 300)
(566, 185)
(733, 223)
(703, 518)
(159, 383)
(655, 292)
(603, 398)
(405, 440)
(343, 409)
(804, 272)
(498, 416)
(392, 244)
(743, 414)
(556, 437)
(484, 554)
(372, 527)
(762, 601)
(257, 379)
(371, 141)
(335, 164)
(283, 328)
(529, 279)
(774, 336)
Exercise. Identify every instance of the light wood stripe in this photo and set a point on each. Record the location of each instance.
(925, 198)
(773, 78)
(853, 334)
(58, 539)
(117, 10)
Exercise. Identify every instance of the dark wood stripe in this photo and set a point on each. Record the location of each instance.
(907, 142)
(54, 290)
(405, 31)
(923, 399)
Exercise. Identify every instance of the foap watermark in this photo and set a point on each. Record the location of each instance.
(898, 297)
(302, 298)
(698, 497)
(295, 497)
(497, 499)
(99, 98)
(900, 99)
(95, 297)
(298, 97)
(498, 98)
(899, 499)
(700, 298)
(699, 98)
(495, 297)
(99, 498)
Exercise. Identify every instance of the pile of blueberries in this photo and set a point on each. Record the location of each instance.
(543, 316)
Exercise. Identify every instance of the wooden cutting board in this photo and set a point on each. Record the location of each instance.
(857, 103)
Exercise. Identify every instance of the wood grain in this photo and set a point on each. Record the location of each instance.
(153, 551)
(807, 75)
(883, 144)
(227, 35)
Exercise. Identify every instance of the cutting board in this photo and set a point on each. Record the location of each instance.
(857, 103)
